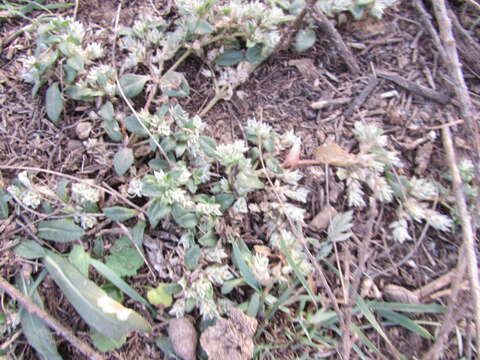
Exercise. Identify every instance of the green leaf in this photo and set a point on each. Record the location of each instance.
(255, 54)
(225, 201)
(406, 322)
(4, 199)
(246, 181)
(116, 280)
(133, 84)
(253, 305)
(124, 258)
(305, 39)
(159, 296)
(62, 230)
(118, 213)
(122, 161)
(104, 343)
(138, 233)
(76, 63)
(174, 84)
(133, 125)
(80, 259)
(204, 28)
(30, 250)
(54, 102)
(209, 239)
(229, 285)
(183, 218)
(113, 130)
(229, 58)
(37, 333)
(101, 312)
(192, 257)
(208, 145)
(240, 253)
(79, 93)
(157, 210)
(107, 111)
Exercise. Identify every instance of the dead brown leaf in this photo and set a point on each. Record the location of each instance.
(332, 154)
(183, 337)
(399, 294)
(230, 339)
(306, 67)
(322, 219)
(422, 157)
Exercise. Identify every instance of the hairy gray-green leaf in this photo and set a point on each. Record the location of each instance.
(62, 230)
(30, 250)
(104, 343)
(119, 213)
(4, 199)
(184, 218)
(174, 84)
(133, 84)
(157, 210)
(240, 253)
(122, 161)
(192, 257)
(229, 58)
(80, 259)
(96, 308)
(54, 102)
(305, 39)
(37, 333)
(133, 125)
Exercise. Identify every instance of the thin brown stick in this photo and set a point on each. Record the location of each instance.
(360, 98)
(60, 329)
(335, 36)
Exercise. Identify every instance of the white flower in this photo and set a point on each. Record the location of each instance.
(258, 129)
(240, 206)
(423, 189)
(300, 194)
(82, 192)
(208, 209)
(31, 199)
(290, 211)
(369, 135)
(355, 193)
(160, 176)
(178, 308)
(415, 209)
(135, 187)
(24, 179)
(259, 266)
(438, 221)
(94, 51)
(400, 230)
(77, 30)
(292, 177)
(208, 309)
(216, 254)
(88, 222)
(231, 154)
(218, 274)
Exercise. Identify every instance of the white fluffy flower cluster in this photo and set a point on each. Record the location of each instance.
(82, 192)
(231, 154)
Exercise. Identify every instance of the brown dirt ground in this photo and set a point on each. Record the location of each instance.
(279, 93)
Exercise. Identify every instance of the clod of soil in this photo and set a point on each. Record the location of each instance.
(183, 337)
(230, 338)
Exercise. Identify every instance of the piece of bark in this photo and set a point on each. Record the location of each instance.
(408, 85)
(360, 98)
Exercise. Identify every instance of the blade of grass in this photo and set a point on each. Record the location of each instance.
(405, 322)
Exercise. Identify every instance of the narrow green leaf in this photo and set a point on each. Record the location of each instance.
(122, 161)
(406, 322)
(101, 312)
(305, 39)
(54, 102)
(133, 84)
(119, 213)
(253, 305)
(37, 333)
(116, 280)
(240, 251)
(80, 259)
(229, 285)
(30, 250)
(104, 343)
(410, 308)
(62, 230)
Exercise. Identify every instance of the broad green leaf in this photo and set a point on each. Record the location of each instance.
(183, 218)
(229, 58)
(133, 125)
(192, 257)
(116, 280)
(305, 39)
(225, 201)
(132, 84)
(80, 93)
(247, 181)
(113, 130)
(96, 308)
(30, 250)
(104, 343)
(255, 54)
(204, 28)
(80, 259)
(208, 145)
(119, 213)
(107, 111)
(54, 102)
(157, 210)
(137, 234)
(76, 63)
(124, 258)
(229, 285)
(174, 84)
(405, 322)
(122, 161)
(209, 239)
(159, 296)
(4, 199)
(37, 333)
(240, 253)
(62, 230)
